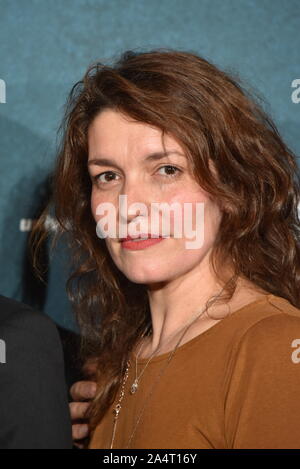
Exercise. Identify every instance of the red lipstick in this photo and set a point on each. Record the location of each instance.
(130, 242)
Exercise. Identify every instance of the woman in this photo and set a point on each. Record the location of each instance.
(192, 346)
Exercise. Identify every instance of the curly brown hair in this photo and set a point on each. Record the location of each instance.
(257, 183)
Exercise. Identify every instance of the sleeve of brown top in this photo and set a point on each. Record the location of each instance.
(262, 403)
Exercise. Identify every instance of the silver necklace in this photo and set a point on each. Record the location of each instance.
(118, 407)
(134, 386)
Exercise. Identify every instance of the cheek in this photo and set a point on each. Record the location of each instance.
(192, 205)
(93, 203)
(96, 199)
(199, 224)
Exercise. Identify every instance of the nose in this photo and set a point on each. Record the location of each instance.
(134, 203)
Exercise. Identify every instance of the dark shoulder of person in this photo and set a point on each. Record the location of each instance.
(33, 394)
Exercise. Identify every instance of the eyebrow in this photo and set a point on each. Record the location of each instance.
(158, 155)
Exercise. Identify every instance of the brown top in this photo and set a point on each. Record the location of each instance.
(235, 385)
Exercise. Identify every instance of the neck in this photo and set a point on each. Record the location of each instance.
(174, 304)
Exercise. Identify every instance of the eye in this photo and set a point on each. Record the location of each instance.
(109, 176)
(103, 175)
(170, 168)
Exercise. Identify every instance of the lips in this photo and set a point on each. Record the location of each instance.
(140, 236)
(139, 243)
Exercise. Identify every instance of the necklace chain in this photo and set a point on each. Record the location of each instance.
(118, 407)
(134, 386)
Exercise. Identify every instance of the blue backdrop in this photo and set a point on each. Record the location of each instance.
(46, 46)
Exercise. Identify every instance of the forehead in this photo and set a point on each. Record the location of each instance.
(111, 130)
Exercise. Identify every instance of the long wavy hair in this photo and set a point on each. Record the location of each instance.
(257, 180)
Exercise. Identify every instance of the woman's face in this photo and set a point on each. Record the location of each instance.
(166, 179)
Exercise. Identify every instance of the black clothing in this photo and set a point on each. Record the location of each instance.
(34, 410)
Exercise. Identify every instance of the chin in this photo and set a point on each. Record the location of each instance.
(146, 278)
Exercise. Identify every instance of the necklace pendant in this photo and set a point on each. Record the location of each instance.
(134, 386)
